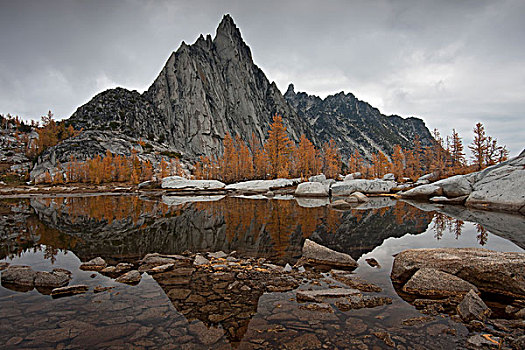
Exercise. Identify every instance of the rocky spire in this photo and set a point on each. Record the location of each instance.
(290, 91)
(229, 42)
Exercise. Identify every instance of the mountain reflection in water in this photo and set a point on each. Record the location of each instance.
(122, 227)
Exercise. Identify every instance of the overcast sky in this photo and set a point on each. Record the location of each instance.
(451, 63)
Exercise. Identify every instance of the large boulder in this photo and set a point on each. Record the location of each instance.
(455, 186)
(25, 276)
(317, 254)
(56, 278)
(425, 179)
(96, 264)
(389, 177)
(262, 186)
(180, 183)
(19, 275)
(311, 189)
(437, 284)
(353, 176)
(423, 191)
(500, 187)
(317, 178)
(346, 188)
(494, 272)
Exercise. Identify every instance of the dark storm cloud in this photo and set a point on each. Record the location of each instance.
(452, 63)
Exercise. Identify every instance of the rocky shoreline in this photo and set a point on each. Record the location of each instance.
(461, 283)
(497, 188)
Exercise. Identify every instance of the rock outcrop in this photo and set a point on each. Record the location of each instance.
(500, 187)
(346, 188)
(311, 189)
(490, 271)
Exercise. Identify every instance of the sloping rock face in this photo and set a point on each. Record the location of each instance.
(500, 187)
(213, 87)
(91, 143)
(356, 125)
(490, 271)
(119, 109)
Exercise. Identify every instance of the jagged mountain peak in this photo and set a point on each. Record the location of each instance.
(229, 42)
(290, 90)
(213, 87)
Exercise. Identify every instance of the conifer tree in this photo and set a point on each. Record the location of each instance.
(278, 148)
(332, 159)
(397, 162)
(479, 146)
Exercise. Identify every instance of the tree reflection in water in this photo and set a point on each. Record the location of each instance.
(132, 226)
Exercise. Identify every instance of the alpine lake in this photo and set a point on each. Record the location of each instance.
(242, 299)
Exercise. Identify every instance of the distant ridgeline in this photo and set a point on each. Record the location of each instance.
(213, 87)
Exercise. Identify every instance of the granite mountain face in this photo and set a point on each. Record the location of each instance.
(204, 90)
(213, 87)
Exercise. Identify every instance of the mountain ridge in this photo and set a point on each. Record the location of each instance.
(213, 87)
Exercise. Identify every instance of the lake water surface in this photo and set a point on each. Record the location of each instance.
(52, 232)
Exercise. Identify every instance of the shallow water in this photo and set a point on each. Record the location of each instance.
(63, 231)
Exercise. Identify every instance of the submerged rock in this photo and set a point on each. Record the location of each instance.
(311, 189)
(317, 254)
(320, 294)
(130, 277)
(69, 290)
(490, 271)
(354, 281)
(473, 308)
(437, 284)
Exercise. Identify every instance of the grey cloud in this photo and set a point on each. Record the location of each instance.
(452, 63)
